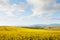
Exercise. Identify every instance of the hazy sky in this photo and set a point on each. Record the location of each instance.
(28, 12)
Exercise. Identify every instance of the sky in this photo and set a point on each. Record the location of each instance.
(29, 12)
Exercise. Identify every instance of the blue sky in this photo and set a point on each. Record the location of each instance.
(29, 12)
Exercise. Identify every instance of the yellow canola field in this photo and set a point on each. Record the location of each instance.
(16, 33)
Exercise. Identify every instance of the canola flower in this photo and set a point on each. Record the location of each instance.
(15, 33)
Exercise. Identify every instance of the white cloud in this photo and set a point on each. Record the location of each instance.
(39, 8)
(9, 13)
(8, 9)
(43, 6)
(4, 1)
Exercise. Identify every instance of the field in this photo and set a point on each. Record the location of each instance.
(17, 33)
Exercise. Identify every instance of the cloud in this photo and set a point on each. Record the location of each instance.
(3, 2)
(8, 9)
(41, 7)
(38, 7)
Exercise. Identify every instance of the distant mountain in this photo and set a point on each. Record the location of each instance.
(46, 25)
(39, 25)
(54, 25)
